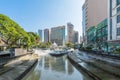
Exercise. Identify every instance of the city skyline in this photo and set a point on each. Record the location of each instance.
(53, 34)
(40, 14)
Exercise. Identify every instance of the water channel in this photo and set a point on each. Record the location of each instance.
(55, 68)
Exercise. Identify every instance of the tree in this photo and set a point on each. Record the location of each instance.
(34, 38)
(14, 35)
(71, 45)
(48, 44)
(10, 30)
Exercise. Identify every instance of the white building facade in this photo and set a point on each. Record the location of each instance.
(84, 38)
(114, 20)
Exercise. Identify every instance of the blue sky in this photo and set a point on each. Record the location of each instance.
(40, 14)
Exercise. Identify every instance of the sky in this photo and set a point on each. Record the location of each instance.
(40, 14)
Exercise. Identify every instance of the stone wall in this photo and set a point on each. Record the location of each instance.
(20, 51)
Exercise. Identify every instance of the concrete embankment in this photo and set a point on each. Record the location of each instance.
(76, 62)
(104, 57)
(16, 69)
(93, 67)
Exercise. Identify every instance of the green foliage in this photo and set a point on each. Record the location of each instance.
(89, 48)
(14, 35)
(116, 51)
(34, 38)
(71, 45)
(81, 47)
(48, 44)
(45, 45)
(10, 31)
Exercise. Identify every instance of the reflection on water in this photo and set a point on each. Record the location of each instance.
(59, 64)
(52, 68)
(34, 74)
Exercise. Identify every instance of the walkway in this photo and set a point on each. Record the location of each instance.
(95, 67)
(17, 69)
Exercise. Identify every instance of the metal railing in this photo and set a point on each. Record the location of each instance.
(5, 59)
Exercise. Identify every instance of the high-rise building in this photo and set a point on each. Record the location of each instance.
(46, 35)
(75, 37)
(58, 35)
(114, 21)
(84, 25)
(70, 32)
(40, 34)
(81, 39)
(83, 20)
(95, 12)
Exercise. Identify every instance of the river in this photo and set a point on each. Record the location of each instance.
(55, 68)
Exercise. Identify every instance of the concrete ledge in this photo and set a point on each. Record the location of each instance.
(94, 77)
(18, 68)
(109, 59)
(103, 55)
(7, 59)
(26, 71)
(106, 70)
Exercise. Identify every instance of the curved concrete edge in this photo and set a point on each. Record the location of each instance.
(103, 55)
(104, 58)
(94, 77)
(27, 70)
(11, 58)
(20, 55)
(110, 72)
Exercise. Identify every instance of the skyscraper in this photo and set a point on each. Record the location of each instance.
(40, 34)
(58, 35)
(70, 32)
(83, 20)
(84, 25)
(96, 12)
(46, 35)
(75, 37)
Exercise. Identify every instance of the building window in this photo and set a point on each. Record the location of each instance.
(118, 18)
(104, 31)
(110, 8)
(110, 28)
(118, 2)
(118, 9)
(118, 31)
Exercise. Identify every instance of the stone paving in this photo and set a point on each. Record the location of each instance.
(14, 69)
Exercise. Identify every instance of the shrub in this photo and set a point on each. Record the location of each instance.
(116, 51)
(89, 48)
